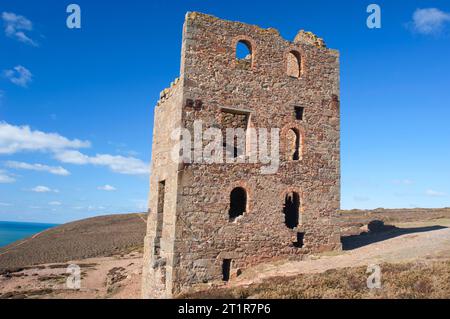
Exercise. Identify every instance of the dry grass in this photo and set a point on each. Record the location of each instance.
(95, 237)
(406, 281)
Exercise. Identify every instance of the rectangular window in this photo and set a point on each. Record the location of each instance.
(300, 238)
(160, 216)
(299, 113)
(237, 121)
(226, 269)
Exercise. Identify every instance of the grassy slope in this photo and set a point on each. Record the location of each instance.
(408, 280)
(99, 236)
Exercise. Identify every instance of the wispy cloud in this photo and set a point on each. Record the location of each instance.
(403, 182)
(5, 178)
(90, 208)
(55, 203)
(16, 26)
(107, 188)
(14, 139)
(5, 204)
(429, 21)
(118, 164)
(434, 193)
(44, 189)
(19, 75)
(55, 170)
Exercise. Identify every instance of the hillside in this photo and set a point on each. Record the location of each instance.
(411, 245)
(93, 237)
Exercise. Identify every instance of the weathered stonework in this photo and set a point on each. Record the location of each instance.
(191, 237)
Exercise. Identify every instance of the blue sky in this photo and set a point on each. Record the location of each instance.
(95, 90)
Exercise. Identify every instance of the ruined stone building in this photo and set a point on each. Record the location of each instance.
(209, 222)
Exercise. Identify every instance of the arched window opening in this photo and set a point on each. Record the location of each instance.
(293, 143)
(292, 210)
(244, 54)
(238, 203)
(294, 64)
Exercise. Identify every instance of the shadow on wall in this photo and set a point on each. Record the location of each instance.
(378, 232)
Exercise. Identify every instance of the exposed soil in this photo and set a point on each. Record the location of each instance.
(102, 277)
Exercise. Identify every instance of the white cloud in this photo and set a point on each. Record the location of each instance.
(72, 157)
(14, 139)
(16, 26)
(38, 167)
(55, 203)
(5, 178)
(90, 208)
(118, 164)
(430, 20)
(107, 188)
(433, 193)
(19, 75)
(44, 189)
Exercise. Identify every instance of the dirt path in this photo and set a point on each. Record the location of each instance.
(412, 242)
(114, 277)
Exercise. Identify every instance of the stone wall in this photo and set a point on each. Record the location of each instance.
(198, 235)
(159, 242)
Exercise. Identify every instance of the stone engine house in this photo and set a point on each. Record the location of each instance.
(209, 222)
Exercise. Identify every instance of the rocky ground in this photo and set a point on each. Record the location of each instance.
(104, 277)
(412, 248)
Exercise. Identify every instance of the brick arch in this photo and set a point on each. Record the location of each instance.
(248, 191)
(299, 54)
(284, 145)
(247, 40)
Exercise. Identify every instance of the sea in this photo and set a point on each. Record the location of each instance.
(14, 231)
